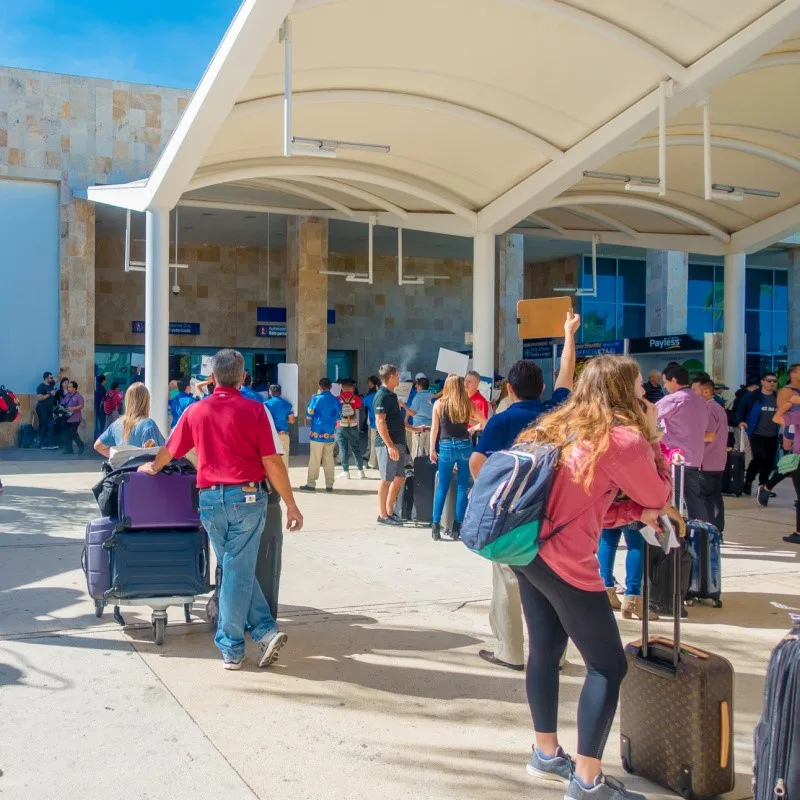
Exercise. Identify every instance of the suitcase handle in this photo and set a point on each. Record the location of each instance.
(202, 564)
(642, 660)
(84, 565)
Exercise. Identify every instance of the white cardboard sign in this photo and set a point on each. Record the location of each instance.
(205, 366)
(289, 380)
(452, 362)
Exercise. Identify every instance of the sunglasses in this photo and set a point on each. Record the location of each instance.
(771, 380)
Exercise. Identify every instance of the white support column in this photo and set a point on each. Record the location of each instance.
(483, 304)
(733, 341)
(156, 315)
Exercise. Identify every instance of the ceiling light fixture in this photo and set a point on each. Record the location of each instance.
(327, 147)
(299, 145)
(722, 191)
(633, 183)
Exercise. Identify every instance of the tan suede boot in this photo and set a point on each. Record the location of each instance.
(613, 599)
(633, 608)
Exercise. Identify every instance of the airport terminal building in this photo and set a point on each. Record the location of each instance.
(307, 266)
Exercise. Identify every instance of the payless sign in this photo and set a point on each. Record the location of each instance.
(660, 344)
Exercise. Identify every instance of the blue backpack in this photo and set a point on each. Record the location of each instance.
(508, 502)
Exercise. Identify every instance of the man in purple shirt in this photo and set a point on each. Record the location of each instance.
(715, 454)
(683, 415)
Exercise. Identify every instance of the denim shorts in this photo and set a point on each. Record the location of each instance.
(390, 470)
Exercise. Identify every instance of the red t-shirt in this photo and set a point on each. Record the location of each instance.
(481, 403)
(231, 435)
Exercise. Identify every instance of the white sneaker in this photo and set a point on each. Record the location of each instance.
(344, 475)
(362, 476)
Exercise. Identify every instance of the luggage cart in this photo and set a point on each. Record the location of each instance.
(158, 604)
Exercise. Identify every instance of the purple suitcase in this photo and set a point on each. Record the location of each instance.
(152, 502)
(96, 560)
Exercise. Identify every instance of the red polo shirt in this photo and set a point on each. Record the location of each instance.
(231, 435)
(481, 403)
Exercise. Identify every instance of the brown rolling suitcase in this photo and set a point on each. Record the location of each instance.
(676, 716)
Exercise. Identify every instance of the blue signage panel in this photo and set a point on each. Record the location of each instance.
(537, 348)
(277, 314)
(615, 347)
(175, 328)
(264, 331)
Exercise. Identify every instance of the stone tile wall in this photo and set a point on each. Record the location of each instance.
(405, 325)
(540, 278)
(221, 290)
(78, 132)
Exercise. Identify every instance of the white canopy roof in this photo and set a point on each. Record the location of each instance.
(493, 110)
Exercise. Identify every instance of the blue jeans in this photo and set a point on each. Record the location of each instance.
(234, 527)
(634, 561)
(452, 453)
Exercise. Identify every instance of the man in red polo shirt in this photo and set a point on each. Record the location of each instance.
(471, 383)
(235, 443)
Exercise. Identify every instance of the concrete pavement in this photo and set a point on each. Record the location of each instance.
(379, 693)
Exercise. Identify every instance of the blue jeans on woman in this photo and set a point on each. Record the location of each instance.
(235, 520)
(452, 453)
(606, 553)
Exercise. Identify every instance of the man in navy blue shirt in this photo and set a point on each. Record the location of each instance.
(525, 387)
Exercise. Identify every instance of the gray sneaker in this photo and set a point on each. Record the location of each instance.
(555, 768)
(605, 788)
(231, 663)
(270, 645)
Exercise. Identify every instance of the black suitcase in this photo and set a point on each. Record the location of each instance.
(159, 564)
(659, 566)
(676, 711)
(268, 563)
(776, 771)
(662, 578)
(733, 477)
(424, 487)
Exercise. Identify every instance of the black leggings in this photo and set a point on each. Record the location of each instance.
(554, 612)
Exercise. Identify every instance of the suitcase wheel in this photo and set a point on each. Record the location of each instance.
(627, 766)
(99, 606)
(159, 628)
(718, 603)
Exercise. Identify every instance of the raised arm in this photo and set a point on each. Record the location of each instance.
(566, 372)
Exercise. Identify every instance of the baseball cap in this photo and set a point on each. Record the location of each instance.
(419, 376)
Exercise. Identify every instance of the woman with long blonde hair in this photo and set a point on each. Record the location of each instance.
(452, 415)
(608, 443)
(134, 427)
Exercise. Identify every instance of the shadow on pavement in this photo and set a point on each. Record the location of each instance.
(31, 510)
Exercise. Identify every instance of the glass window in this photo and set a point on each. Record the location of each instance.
(699, 322)
(631, 281)
(599, 321)
(780, 334)
(633, 322)
(758, 289)
(701, 285)
(781, 291)
(619, 309)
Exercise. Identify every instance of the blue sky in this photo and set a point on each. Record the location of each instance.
(163, 42)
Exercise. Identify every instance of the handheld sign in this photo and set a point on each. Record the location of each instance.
(542, 318)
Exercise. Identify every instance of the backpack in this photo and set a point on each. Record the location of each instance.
(508, 503)
(110, 402)
(9, 405)
(26, 437)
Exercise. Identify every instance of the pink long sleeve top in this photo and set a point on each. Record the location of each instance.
(630, 464)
